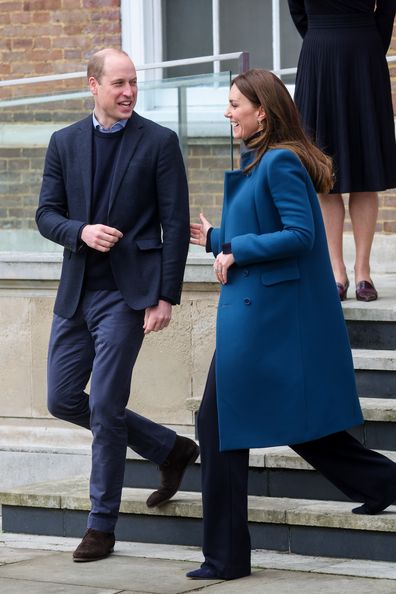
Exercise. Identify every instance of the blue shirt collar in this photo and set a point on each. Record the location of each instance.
(116, 127)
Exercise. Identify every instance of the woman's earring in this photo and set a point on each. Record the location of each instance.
(260, 124)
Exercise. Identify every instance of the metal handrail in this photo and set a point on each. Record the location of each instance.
(243, 58)
(284, 71)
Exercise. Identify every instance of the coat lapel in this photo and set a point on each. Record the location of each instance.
(232, 181)
(84, 156)
(129, 143)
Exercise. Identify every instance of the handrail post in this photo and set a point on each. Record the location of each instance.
(276, 48)
(243, 62)
(182, 121)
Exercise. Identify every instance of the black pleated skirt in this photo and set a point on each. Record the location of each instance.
(344, 97)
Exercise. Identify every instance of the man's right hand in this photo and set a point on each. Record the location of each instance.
(100, 237)
(199, 231)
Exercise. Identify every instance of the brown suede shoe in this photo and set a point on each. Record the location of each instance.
(95, 545)
(184, 452)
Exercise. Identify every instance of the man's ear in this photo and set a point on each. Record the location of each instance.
(93, 85)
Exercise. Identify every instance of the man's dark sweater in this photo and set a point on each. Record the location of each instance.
(98, 273)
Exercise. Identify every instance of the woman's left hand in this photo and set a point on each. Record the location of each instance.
(221, 266)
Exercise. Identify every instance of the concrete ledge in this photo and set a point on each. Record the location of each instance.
(73, 495)
(382, 310)
(38, 265)
(285, 458)
(379, 409)
(44, 261)
(49, 435)
(59, 441)
(379, 360)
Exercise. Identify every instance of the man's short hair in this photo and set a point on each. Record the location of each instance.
(96, 63)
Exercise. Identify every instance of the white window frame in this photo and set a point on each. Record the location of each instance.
(141, 22)
(141, 30)
(141, 33)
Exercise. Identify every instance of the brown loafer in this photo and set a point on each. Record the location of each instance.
(365, 291)
(184, 452)
(95, 545)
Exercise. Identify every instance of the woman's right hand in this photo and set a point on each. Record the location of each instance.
(199, 231)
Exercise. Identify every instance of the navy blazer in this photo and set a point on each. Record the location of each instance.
(148, 204)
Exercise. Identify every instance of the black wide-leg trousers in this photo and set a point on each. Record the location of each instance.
(362, 474)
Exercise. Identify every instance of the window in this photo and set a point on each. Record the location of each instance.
(176, 29)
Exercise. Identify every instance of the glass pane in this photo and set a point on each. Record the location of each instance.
(290, 42)
(250, 29)
(193, 106)
(187, 33)
(29, 114)
(247, 26)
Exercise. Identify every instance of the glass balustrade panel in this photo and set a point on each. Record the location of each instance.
(191, 106)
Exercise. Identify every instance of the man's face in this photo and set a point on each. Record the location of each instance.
(116, 93)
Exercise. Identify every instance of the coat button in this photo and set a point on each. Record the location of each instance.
(245, 272)
(247, 301)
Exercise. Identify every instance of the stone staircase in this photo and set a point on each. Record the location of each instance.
(291, 508)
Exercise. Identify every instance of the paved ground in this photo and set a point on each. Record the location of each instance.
(43, 565)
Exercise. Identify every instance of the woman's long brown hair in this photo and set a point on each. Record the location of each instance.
(282, 126)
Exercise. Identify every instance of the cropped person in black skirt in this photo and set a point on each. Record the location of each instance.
(343, 94)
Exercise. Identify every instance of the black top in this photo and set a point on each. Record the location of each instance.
(383, 15)
(343, 90)
(98, 273)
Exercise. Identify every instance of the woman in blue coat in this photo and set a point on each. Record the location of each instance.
(283, 371)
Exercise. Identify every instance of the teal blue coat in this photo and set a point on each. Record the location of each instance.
(284, 369)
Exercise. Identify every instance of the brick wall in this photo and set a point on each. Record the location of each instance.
(206, 163)
(386, 222)
(45, 37)
(54, 36)
(22, 170)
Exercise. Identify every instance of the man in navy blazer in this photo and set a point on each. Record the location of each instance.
(114, 194)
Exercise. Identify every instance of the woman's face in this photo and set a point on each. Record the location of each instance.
(244, 116)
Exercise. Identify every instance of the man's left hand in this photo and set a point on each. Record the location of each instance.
(157, 318)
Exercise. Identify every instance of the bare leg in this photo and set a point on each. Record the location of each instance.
(333, 212)
(363, 209)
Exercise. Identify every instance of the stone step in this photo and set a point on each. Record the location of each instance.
(273, 472)
(373, 325)
(61, 451)
(379, 429)
(307, 527)
(375, 372)
(376, 360)
(378, 335)
(379, 409)
(382, 310)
